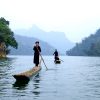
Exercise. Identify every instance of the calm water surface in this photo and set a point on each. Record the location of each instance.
(77, 78)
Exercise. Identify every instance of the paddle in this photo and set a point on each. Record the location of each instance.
(40, 62)
(43, 62)
(42, 59)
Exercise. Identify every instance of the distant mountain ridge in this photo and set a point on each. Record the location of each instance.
(56, 39)
(90, 46)
(25, 46)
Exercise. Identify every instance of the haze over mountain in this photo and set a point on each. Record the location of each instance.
(56, 39)
(25, 46)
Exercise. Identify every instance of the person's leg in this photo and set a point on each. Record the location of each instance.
(55, 58)
(37, 61)
(36, 64)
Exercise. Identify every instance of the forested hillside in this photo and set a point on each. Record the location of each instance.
(90, 46)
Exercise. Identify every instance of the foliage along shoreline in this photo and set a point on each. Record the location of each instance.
(6, 38)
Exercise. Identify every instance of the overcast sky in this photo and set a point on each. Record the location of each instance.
(77, 18)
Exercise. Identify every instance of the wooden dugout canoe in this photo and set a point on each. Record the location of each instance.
(25, 76)
(57, 62)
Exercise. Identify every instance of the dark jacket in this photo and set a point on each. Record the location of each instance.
(55, 53)
(37, 50)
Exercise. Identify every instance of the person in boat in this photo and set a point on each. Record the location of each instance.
(37, 50)
(56, 56)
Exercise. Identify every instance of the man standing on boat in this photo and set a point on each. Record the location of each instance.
(37, 50)
(56, 55)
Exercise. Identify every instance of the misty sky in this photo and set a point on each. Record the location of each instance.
(77, 18)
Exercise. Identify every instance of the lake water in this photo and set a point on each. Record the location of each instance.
(77, 78)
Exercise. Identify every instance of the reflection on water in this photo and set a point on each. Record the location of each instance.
(36, 86)
(20, 85)
(77, 78)
(6, 61)
(5, 67)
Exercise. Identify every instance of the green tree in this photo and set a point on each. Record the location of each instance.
(94, 49)
(6, 34)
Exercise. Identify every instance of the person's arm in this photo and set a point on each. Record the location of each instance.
(34, 48)
(39, 49)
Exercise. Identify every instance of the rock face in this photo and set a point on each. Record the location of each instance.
(2, 50)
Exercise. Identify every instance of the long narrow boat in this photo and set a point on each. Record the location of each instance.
(57, 62)
(25, 76)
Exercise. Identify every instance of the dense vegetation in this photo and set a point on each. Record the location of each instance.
(90, 46)
(6, 35)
